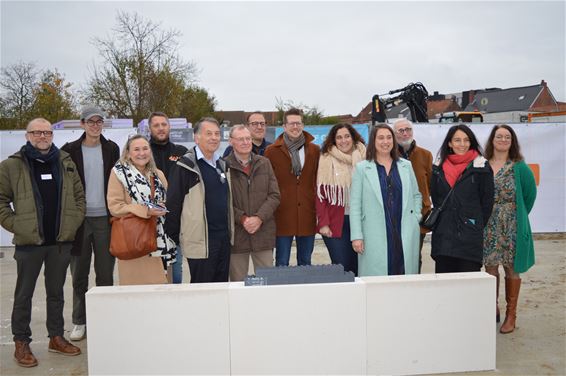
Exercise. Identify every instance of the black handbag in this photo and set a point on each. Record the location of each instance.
(429, 222)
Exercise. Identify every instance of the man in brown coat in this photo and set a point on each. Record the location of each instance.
(294, 158)
(421, 160)
(255, 196)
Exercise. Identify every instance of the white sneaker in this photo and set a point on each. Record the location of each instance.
(78, 333)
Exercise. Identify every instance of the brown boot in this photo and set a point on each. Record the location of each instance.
(59, 344)
(23, 355)
(512, 287)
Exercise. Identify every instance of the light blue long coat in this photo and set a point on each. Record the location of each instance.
(367, 218)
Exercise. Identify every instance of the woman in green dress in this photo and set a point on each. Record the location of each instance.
(508, 239)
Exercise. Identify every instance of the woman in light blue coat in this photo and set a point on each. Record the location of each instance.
(385, 209)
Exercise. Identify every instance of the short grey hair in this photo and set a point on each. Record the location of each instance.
(207, 119)
(38, 120)
(402, 120)
(237, 127)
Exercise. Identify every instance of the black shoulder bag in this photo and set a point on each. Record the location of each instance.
(429, 222)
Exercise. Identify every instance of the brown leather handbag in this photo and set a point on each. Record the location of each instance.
(132, 236)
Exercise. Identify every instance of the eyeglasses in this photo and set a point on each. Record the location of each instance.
(256, 124)
(295, 124)
(92, 123)
(404, 130)
(41, 133)
(506, 138)
(241, 140)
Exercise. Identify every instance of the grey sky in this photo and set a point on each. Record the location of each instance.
(335, 55)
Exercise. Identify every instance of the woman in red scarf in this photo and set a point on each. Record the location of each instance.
(462, 179)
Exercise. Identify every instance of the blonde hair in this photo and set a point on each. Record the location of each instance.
(125, 160)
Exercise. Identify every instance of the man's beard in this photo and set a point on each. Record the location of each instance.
(406, 144)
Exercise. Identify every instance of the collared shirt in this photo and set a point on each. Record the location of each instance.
(200, 155)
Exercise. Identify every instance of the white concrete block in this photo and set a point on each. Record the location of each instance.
(298, 329)
(158, 329)
(430, 323)
(376, 325)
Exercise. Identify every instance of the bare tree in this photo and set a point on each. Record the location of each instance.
(137, 57)
(18, 83)
(312, 115)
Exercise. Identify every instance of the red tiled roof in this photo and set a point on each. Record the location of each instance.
(440, 106)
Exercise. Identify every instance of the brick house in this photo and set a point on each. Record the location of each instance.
(513, 104)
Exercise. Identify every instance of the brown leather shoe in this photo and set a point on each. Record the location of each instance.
(23, 355)
(59, 344)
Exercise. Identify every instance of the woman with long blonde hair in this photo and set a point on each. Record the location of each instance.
(129, 192)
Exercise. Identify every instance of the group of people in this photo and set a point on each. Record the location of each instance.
(219, 212)
(484, 200)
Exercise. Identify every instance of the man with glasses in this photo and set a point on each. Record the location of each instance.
(200, 216)
(421, 160)
(42, 203)
(255, 197)
(257, 126)
(294, 158)
(166, 154)
(94, 156)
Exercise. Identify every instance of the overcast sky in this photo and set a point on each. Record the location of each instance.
(334, 55)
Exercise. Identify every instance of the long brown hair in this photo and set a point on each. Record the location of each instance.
(371, 152)
(330, 139)
(514, 151)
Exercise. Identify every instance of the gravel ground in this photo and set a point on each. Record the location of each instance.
(537, 347)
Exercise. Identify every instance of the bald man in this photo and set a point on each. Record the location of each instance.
(41, 183)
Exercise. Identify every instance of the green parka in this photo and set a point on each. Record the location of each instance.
(23, 219)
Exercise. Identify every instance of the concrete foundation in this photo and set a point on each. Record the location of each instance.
(378, 325)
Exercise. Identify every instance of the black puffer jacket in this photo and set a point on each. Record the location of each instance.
(166, 155)
(459, 232)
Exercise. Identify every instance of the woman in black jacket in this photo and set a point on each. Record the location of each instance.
(457, 238)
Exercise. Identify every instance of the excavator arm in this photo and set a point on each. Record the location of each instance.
(414, 95)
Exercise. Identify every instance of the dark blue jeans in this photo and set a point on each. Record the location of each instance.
(340, 249)
(305, 245)
(216, 267)
(177, 266)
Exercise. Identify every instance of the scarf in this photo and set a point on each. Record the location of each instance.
(51, 158)
(293, 147)
(139, 189)
(334, 175)
(455, 164)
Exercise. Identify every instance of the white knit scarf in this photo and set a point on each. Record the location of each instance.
(335, 174)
